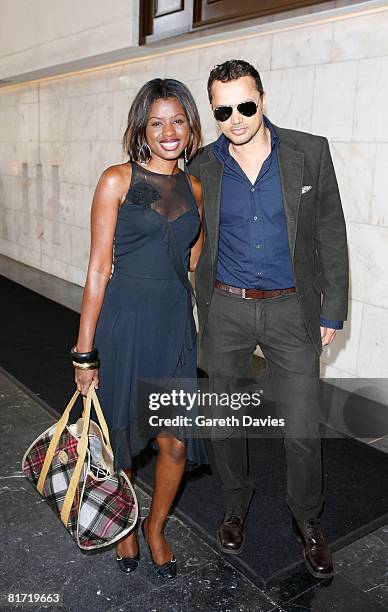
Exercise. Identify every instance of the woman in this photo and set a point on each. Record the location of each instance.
(147, 213)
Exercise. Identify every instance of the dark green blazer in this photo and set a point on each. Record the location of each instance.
(315, 226)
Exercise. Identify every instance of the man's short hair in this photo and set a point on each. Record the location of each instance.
(232, 70)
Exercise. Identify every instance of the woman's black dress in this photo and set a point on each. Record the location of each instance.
(145, 328)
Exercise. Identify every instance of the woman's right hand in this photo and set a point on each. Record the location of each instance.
(84, 378)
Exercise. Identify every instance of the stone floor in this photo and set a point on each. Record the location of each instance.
(38, 556)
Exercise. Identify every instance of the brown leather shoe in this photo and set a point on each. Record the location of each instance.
(316, 554)
(230, 537)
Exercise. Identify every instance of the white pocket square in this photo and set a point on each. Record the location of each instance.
(306, 188)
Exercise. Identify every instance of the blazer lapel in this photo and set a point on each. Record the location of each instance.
(291, 175)
(211, 179)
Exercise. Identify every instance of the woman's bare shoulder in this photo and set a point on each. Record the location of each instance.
(197, 189)
(116, 175)
(115, 180)
(195, 181)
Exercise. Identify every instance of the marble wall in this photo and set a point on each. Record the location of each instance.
(36, 35)
(329, 77)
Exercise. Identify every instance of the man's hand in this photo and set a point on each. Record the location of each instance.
(327, 335)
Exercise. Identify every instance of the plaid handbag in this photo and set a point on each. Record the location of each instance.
(72, 468)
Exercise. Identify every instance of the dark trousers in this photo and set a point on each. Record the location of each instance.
(234, 328)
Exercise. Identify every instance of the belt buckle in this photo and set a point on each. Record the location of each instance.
(243, 294)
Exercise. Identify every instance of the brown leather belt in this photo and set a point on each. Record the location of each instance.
(254, 294)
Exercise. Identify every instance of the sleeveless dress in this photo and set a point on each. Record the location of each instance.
(146, 329)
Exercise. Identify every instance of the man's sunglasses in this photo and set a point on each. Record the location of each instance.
(223, 113)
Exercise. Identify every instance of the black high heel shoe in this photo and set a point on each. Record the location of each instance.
(128, 565)
(167, 571)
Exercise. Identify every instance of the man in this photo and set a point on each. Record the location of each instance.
(273, 272)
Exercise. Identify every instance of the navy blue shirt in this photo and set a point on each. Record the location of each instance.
(253, 249)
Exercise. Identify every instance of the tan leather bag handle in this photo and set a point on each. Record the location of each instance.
(100, 416)
(81, 447)
(54, 441)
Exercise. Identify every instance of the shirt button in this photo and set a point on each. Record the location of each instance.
(252, 189)
(258, 246)
(255, 218)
